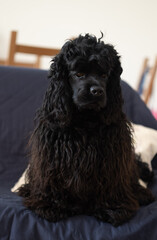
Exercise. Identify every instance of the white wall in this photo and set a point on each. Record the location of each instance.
(130, 25)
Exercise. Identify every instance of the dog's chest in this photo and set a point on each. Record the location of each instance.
(88, 144)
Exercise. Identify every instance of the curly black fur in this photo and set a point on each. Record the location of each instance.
(82, 154)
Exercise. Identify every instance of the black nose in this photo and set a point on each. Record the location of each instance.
(96, 91)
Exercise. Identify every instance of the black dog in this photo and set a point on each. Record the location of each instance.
(82, 154)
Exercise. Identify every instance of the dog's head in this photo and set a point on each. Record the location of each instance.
(85, 74)
(88, 82)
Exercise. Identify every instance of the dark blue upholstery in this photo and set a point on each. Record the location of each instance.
(21, 93)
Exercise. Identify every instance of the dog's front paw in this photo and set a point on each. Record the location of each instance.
(50, 214)
(119, 216)
(116, 217)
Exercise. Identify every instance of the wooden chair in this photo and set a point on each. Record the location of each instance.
(148, 73)
(2, 62)
(20, 48)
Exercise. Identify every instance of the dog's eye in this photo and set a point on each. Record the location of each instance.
(104, 75)
(79, 74)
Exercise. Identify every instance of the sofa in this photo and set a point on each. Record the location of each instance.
(21, 94)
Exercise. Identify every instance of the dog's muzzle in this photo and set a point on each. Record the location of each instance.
(96, 91)
(93, 98)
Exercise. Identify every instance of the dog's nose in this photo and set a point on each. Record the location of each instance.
(96, 91)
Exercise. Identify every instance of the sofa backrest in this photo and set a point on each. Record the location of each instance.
(21, 94)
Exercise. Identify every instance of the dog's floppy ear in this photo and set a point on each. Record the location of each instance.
(113, 60)
(58, 98)
(114, 95)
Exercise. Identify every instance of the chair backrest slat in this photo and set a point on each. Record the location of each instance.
(26, 49)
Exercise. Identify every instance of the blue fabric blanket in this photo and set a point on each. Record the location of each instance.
(21, 94)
